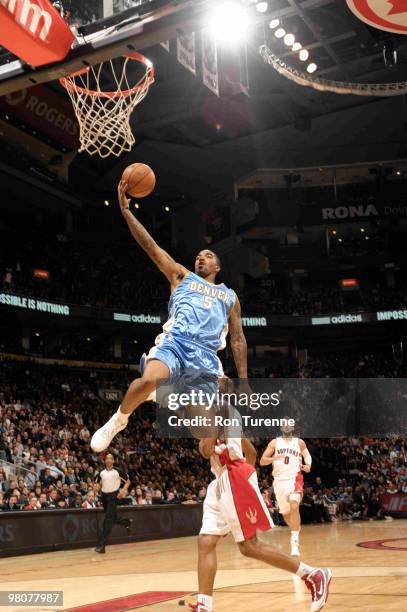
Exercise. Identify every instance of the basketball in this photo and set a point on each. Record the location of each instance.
(140, 179)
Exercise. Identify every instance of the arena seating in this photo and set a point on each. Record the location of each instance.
(47, 414)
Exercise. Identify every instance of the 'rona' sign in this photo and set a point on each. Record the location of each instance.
(349, 212)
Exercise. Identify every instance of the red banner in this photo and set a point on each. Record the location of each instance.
(34, 31)
(394, 504)
(46, 111)
(388, 15)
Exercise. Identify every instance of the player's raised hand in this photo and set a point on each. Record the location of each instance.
(123, 199)
(306, 468)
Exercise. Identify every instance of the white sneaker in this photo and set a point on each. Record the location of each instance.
(318, 584)
(295, 551)
(103, 436)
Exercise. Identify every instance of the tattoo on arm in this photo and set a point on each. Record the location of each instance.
(238, 340)
(170, 268)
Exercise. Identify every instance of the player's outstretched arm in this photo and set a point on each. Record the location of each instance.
(173, 271)
(238, 340)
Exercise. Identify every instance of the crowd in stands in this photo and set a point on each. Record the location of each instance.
(85, 273)
(116, 274)
(48, 414)
(323, 300)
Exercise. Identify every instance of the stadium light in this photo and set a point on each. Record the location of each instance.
(228, 22)
(312, 67)
(279, 33)
(297, 46)
(167, 209)
(107, 203)
(274, 23)
(304, 55)
(289, 40)
(262, 7)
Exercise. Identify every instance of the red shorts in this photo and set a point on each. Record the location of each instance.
(240, 502)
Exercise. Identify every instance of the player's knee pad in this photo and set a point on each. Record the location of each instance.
(295, 497)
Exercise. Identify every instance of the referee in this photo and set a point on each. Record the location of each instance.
(110, 480)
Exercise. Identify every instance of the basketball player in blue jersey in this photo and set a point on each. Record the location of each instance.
(200, 315)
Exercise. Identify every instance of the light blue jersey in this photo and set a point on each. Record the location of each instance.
(199, 311)
(196, 328)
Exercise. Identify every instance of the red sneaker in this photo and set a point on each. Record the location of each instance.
(318, 584)
(193, 607)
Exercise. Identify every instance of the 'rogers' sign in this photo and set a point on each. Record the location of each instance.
(46, 111)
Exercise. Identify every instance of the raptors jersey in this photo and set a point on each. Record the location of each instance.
(199, 311)
(288, 467)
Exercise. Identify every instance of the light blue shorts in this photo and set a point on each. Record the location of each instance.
(184, 357)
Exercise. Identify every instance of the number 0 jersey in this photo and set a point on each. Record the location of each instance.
(199, 311)
(290, 465)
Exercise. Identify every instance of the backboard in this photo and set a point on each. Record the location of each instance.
(106, 29)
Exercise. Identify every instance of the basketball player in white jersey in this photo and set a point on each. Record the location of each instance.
(286, 453)
(234, 504)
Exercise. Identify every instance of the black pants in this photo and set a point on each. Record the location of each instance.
(109, 504)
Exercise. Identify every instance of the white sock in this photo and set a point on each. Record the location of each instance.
(304, 569)
(295, 536)
(123, 418)
(206, 601)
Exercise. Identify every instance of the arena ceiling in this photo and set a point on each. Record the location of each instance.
(197, 142)
(189, 134)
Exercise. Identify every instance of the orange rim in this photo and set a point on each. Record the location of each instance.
(133, 55)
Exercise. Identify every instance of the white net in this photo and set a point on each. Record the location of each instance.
(104, 116)
(339, 87)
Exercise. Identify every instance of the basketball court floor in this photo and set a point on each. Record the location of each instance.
(368, 559)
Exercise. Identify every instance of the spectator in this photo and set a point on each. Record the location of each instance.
(31, 477)
(90, 501)
(33, 503)
(44, 503)
(12, 504)
(78, 501)
(158, 497)
(307, 508)
(53, 499)
(373, 509)
(319, 507)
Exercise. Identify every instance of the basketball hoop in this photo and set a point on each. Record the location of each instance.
(104, 116)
